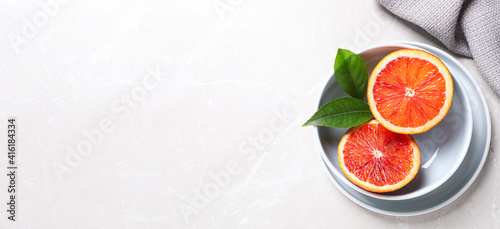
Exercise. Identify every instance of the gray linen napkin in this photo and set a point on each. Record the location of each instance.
(470, 28)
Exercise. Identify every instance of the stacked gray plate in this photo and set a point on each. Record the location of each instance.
(453, 152)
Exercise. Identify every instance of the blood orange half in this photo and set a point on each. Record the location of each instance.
(410, 91)
(377, 159)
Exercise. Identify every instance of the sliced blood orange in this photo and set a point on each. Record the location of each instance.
(377, 159)
(410, 91)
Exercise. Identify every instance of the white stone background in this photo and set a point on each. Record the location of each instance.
(224, 77)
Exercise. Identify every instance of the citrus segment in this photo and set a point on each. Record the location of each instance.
(410, 91)
(377, 159)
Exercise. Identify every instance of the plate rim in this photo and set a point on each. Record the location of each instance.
(471, 179)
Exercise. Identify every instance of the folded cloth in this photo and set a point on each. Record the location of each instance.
(470, 28)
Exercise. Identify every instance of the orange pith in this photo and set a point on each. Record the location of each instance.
(377, 159)
(410, 91)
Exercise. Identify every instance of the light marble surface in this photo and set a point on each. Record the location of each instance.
(187, 114)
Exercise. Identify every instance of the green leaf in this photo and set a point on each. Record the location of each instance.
(341, 113)
(351, 73)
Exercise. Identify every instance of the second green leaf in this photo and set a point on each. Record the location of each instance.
(351, 73)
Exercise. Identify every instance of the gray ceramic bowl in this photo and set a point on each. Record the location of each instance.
(465, 175)
(442, 148)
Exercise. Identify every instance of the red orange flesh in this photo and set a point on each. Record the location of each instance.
(410, 91)
(377, 159)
